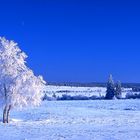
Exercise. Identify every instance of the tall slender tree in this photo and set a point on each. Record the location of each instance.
(110, 92)
(118, 91)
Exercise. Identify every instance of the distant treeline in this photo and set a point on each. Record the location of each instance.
(135, 86)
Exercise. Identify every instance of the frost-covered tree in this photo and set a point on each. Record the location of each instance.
(110, 92)
(19, 87)
(118, 91)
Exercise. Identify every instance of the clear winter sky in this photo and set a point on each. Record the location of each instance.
(76, 40)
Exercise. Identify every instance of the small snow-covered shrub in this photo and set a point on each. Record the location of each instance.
(49, 98)
(97, 97)
(133, 96)
(136, 89)
(76, 97)
(63, 91)
(79, 97)
(65, 97)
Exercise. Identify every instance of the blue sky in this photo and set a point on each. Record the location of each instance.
(75, 40)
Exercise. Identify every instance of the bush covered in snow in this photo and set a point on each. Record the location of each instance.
(72, 97)
(133, 95)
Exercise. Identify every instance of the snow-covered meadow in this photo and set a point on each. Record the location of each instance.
(59, 91)
(75, 120)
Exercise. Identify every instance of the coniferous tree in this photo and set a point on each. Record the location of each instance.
(110, 92)
(118, 91)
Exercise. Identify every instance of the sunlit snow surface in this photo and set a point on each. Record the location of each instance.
(83, 91)
(75, 120)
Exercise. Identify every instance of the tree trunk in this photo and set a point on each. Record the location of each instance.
(5, 115)
(5, 108)
(8, 112)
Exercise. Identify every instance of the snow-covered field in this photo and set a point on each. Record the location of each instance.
(75, 120)
(83, 91)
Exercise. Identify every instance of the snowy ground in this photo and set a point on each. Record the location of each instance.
(75, 120)
(83, 91)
